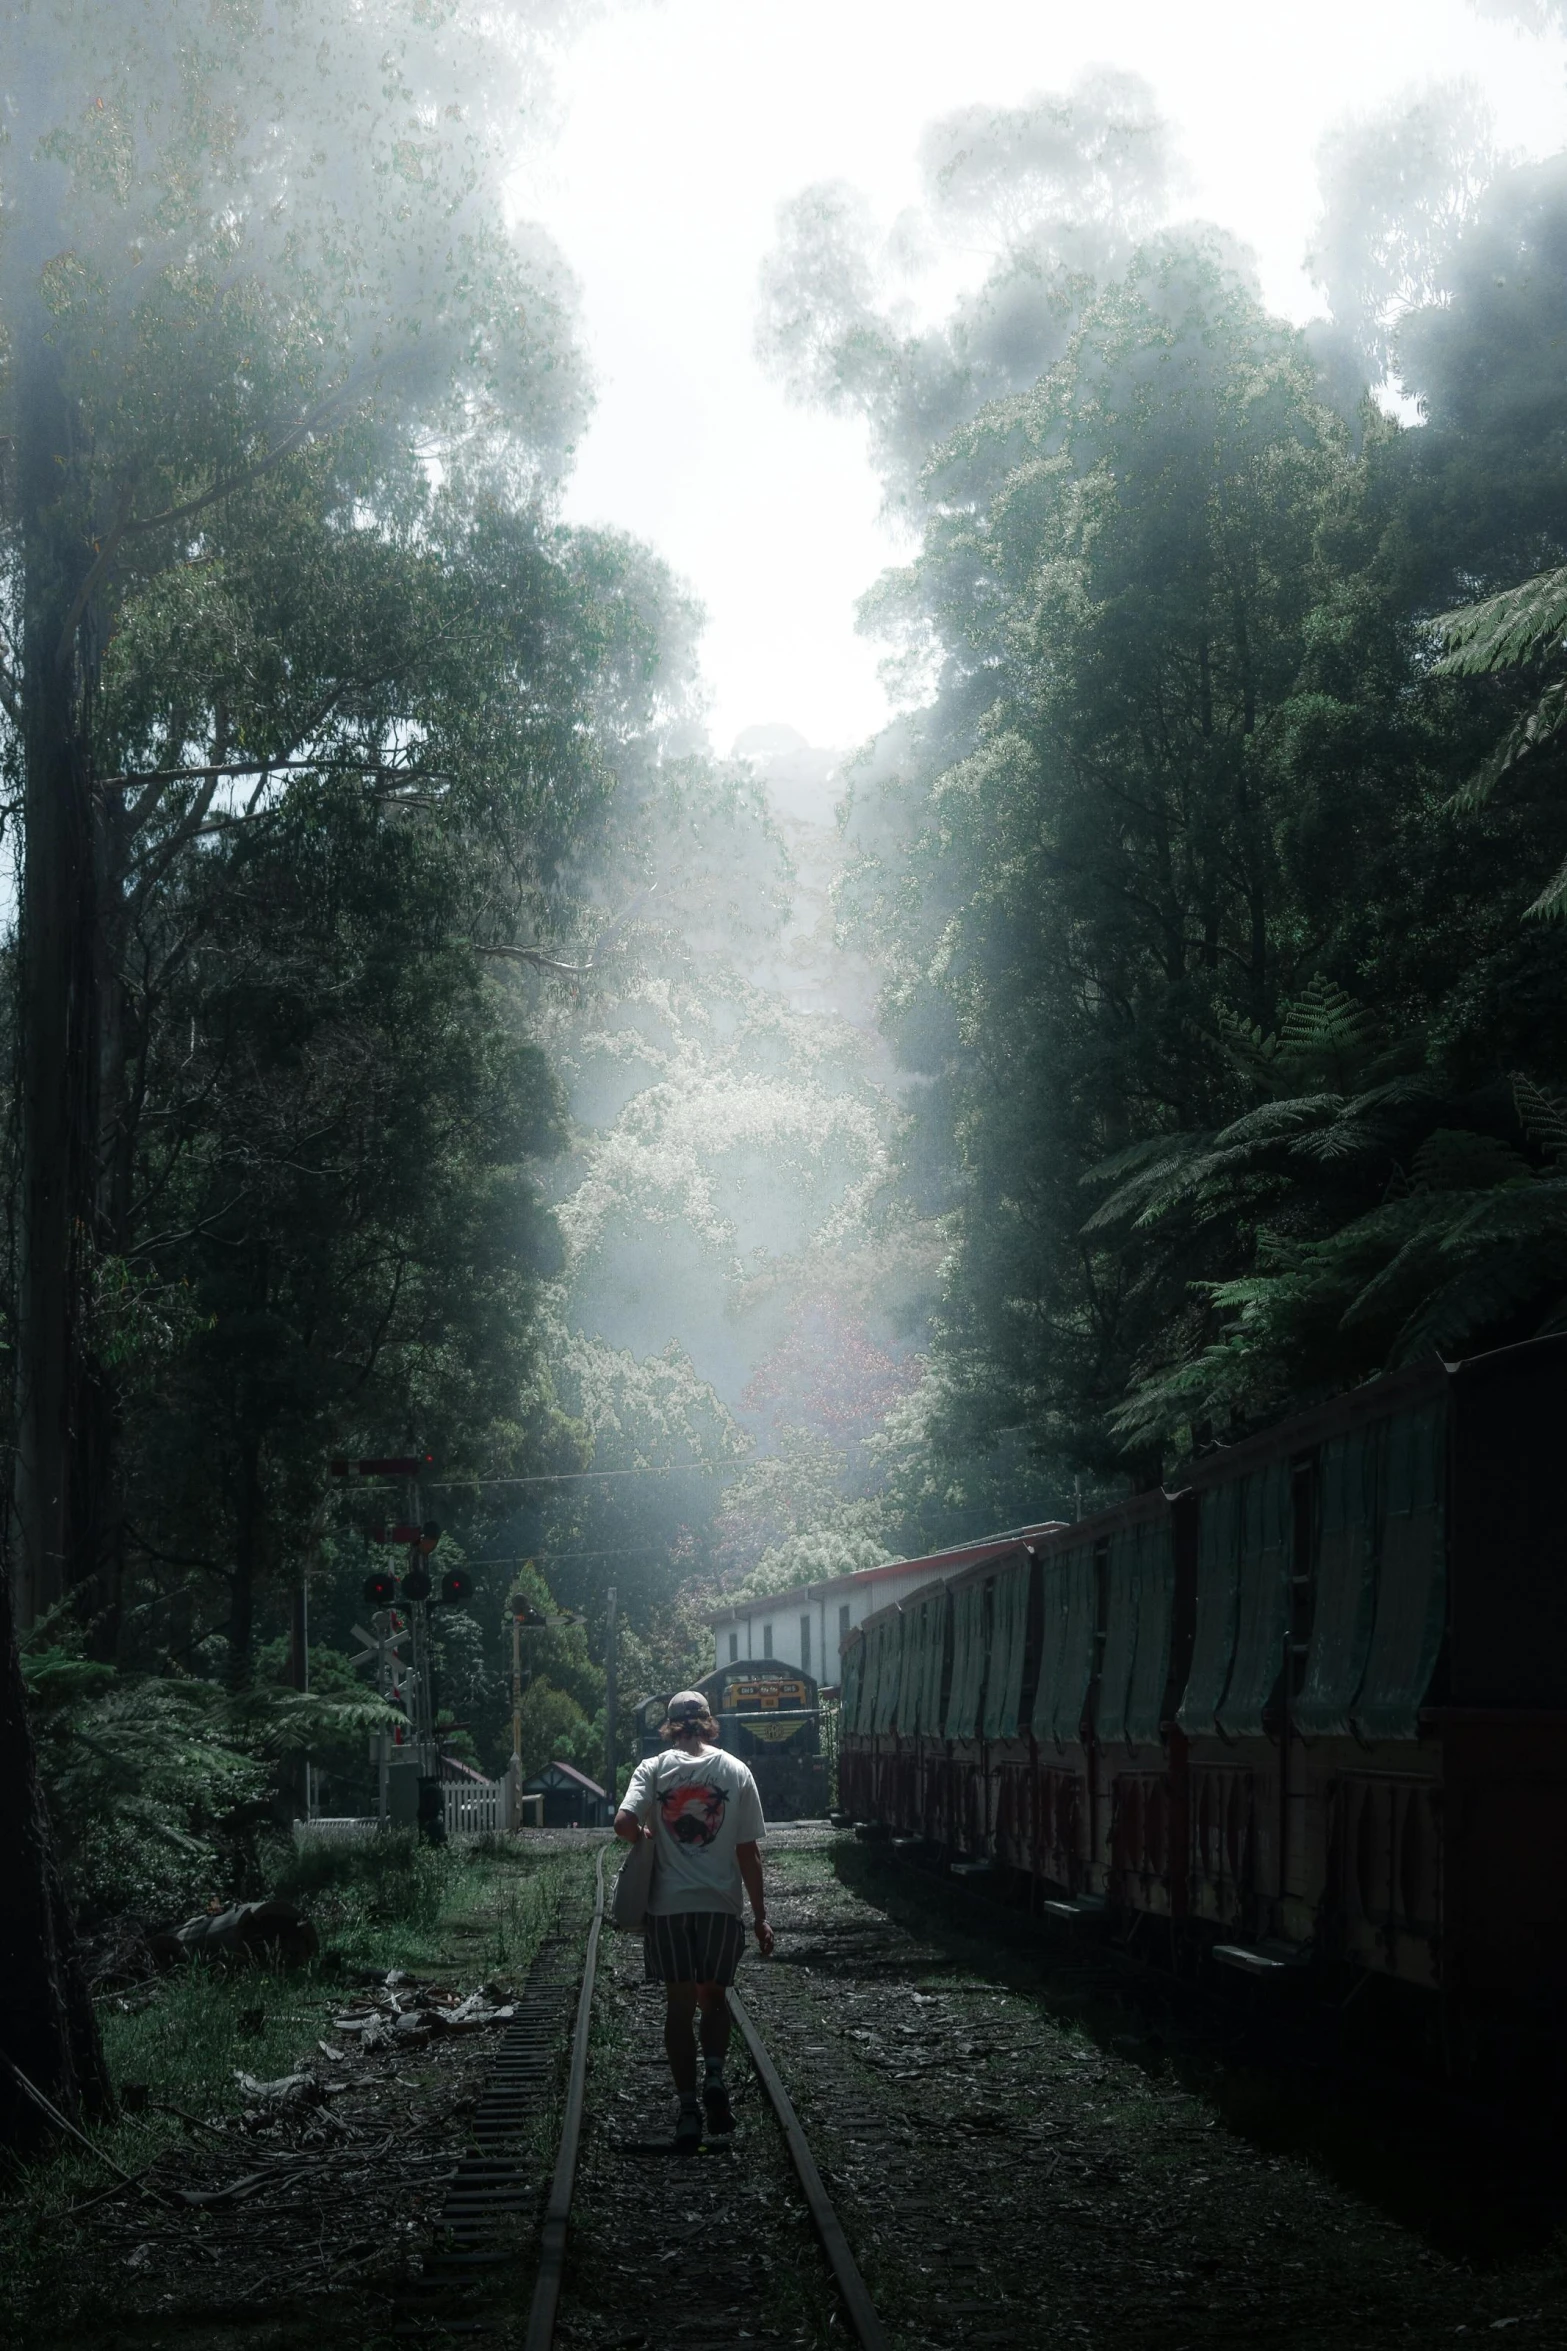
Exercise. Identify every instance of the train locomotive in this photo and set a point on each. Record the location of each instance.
(1304, 1721)
(770, 1716)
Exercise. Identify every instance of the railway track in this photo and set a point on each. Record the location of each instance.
(954, 2123)
(478, 2237)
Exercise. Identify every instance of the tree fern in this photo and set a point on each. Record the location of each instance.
(1542, 1118)
(1521, 626)
(155, 1782)
(1385, 1215)
(1504, 631)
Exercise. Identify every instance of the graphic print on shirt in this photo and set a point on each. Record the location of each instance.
(693, 1813)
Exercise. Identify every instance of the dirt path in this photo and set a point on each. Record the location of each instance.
(1007, 2179)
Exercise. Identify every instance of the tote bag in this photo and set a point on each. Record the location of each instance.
(634, 1885)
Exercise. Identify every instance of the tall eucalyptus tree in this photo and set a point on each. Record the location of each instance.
(254, 266)
(231, 235)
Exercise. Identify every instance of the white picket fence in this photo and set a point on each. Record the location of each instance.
(344, 1825)
(471, 1808)
(474, 1808)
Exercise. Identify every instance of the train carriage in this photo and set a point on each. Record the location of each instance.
(1311, 1710)
(964, 1802)
(1139, 1797)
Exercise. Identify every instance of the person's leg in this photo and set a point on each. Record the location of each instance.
(679, 2040)
(713, 2002)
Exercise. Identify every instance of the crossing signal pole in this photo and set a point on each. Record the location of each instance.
(611, 1700)
(412, 1595)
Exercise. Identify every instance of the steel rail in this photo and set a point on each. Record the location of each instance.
(845, 2269)
(545, 2305)
(557, 2213)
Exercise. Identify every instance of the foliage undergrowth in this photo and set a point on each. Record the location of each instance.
(474, 1913)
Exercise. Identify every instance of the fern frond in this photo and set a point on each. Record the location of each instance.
(1542, 1117)
(1346, 1138)
(1167, 1170)
(1274, 1122)
(1537, 726)
(1376, 1295)
(1485, 1294)
(286, 1722)
(1323, 1019)
(1454, 1159)
(1136, 1155)
(1532, 1212)
(1504, 631)
(1552, 901)
(1245, 1042)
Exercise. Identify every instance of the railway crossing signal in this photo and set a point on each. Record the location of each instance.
(382, 1645)
(415, 1690)
(422, 1537)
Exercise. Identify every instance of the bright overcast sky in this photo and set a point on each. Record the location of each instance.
(688, 122)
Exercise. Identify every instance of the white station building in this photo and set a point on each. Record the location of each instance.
(806, 1627)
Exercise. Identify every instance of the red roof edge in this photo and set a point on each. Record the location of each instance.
(962, 1555)
(571, 1773)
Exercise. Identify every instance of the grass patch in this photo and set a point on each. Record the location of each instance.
(466, 1915)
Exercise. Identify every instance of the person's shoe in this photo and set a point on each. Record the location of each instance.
(688, 2129)
(720, 2114)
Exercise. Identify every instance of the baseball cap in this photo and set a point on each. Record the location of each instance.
(686, 1706)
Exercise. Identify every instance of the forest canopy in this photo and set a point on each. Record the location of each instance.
(1211, 868)
(722, 1173)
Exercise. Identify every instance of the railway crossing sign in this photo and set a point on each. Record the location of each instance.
(376, 1644)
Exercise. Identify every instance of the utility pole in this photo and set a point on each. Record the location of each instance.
(416, 1582)
(299, 1674)
(382, 1621)
(516, 1691)
(610, 1698)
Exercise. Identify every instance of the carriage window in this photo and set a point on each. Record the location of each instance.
(734, 1647)
(805, 1644)
(767, 1640)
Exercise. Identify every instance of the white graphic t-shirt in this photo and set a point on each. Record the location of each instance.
(700, 1808)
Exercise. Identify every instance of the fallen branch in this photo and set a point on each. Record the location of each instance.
(86, 2204)
(192, 2122)
(62, 2121)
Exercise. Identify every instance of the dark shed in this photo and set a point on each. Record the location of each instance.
(571, 1799)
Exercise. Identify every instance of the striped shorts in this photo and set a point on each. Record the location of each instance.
(692, 1947)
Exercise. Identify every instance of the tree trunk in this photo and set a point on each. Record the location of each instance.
(61, 1437)
(47, 2024)
(242, 1581)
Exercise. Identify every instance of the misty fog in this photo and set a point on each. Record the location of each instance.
(784, 832)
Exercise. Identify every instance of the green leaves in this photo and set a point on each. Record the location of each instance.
(1504, 631)
(1512, 631)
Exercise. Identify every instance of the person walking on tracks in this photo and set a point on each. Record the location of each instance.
(703, 1809)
